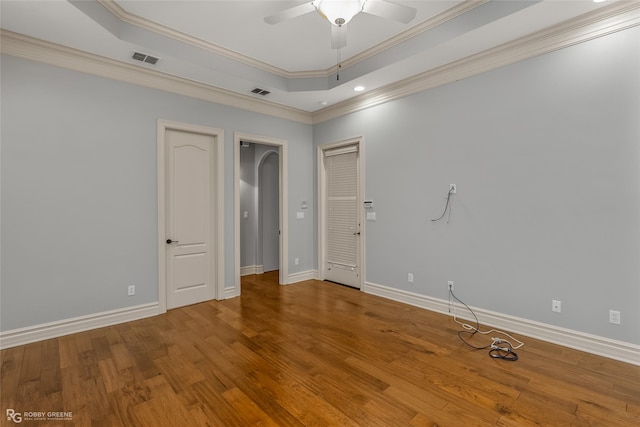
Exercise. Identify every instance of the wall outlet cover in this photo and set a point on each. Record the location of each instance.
(614, 317)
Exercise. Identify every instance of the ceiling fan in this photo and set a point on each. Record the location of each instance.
(340, 12)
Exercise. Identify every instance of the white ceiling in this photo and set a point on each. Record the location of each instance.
(227, 44)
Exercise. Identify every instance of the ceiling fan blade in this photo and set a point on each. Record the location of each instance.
(290, 13)
(385, 9)
(338, 36)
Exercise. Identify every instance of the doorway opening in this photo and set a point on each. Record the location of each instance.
(260, 207)
(261, 226)
(268, 212)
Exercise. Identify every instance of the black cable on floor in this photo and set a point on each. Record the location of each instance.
(496, 351)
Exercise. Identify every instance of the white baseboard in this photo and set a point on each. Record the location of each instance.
(59, 328)
(231, 292)
(251, 269)
(606, 347)
(302, 276)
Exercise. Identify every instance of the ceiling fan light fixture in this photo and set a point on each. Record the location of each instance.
(339, 12)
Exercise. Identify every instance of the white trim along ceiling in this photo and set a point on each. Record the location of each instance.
(222, 50)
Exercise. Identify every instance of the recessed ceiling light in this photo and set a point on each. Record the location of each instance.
(358, 88)
(598, 1)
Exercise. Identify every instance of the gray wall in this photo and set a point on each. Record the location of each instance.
(545, 154)
(78, 177)
(546, 157)
(269, 211)
(248, 226)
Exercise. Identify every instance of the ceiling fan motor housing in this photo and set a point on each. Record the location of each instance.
(339, 12)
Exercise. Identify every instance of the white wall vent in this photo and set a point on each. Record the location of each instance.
(259, 91)
(138, 56)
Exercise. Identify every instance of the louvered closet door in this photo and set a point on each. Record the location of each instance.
(343, 228)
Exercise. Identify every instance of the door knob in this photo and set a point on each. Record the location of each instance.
(169, 241)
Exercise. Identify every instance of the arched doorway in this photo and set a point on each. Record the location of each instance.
(268, 246)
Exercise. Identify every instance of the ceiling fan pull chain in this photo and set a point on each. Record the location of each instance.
(339, 58)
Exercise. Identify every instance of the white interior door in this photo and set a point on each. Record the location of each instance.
(343, 216)
(189, 217)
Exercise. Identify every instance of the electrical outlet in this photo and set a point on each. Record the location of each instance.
(614, 317)
(556, 306)
(452, 188)
(296, 261)
(450, 285)
(410, 277)
(131, 290)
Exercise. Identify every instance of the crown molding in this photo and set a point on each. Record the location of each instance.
(601, 22)
(607, 20)
(116, 10)
(26, 47)
(447, 15)
(138, 21)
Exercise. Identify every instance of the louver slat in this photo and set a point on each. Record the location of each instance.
(342, 198)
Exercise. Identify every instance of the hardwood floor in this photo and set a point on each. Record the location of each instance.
(308, 354)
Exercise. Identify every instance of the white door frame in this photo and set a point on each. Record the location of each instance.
(217, 190)
(281, 145)
(322, 205)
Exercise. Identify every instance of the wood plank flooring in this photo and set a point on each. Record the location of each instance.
(308, 354)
